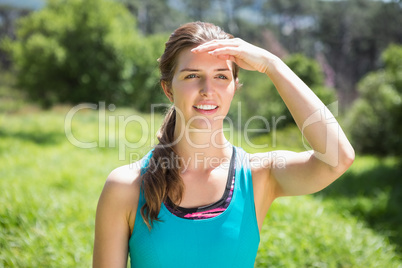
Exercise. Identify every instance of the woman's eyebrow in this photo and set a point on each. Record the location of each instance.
(189, 70)
(197, 70)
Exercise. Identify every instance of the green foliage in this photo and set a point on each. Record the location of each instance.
(392, 59)
(147, 89)
(256, 101)
(307, 69)
(293, 23)
(304, 232)
(50, 190)
(83, 51)
(375, 120)
(155, 16)
(260, 99)
(371, 190)
(310, 72)
(353, 34)
(10, 99)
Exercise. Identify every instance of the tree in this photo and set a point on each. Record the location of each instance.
(353, 34)
(155, 16)
(82, 51)
(7, 28)
(294, 21)
(197, 9)
(146, 86)
(375, 120)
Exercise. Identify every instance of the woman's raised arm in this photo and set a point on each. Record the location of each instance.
(331, 154)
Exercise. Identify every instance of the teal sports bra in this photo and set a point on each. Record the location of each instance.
(230, 239)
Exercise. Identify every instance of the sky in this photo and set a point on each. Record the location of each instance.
(31, 4)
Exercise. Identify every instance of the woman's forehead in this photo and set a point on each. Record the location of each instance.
(201, 61)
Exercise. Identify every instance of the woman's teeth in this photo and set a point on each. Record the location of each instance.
(206, 107)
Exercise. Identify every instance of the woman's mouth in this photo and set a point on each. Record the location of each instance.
(206, 108)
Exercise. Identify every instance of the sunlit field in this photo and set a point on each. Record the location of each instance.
(50, 187)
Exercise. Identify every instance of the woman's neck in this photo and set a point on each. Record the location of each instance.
(201, 149)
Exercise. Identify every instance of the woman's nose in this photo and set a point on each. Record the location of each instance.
(206, 87)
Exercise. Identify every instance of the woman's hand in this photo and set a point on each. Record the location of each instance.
(245, 55)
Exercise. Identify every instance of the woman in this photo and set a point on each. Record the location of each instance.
(195, 200)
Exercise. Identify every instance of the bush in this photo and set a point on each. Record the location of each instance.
(147, 89)
(375, 120)
(311, 73)
(83, 51)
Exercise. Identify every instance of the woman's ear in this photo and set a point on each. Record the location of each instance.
(167, 90)
(237, 84)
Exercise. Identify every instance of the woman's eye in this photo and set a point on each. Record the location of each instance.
(191, 76)
(221, 76)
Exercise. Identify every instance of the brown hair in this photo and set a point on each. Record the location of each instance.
(163, 181)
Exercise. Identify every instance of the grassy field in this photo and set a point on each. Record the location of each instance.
(50, 187)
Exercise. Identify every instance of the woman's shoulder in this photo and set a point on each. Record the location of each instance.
(268, 160)
(117, 207)
(127, 177)
(122, 186)
(261, 163)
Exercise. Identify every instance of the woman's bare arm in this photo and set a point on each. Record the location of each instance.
(115, 213)
(331, 154)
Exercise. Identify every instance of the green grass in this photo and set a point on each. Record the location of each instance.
(50, 188)
(49, 191)
(305, 232)
(372, 192)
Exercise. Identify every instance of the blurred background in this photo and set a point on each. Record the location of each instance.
(59, 53)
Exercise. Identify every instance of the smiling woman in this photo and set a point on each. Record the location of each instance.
(195, 199)
(202, 85)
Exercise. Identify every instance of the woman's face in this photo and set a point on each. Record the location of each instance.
(202, 89)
